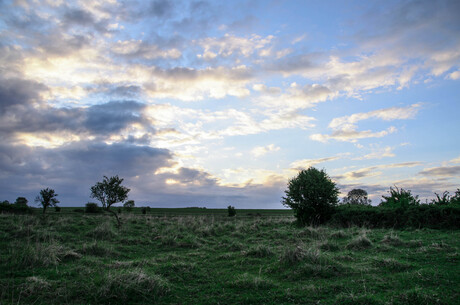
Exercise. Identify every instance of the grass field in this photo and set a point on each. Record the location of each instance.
(208, 258)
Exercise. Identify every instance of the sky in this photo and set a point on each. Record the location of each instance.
(217, 103)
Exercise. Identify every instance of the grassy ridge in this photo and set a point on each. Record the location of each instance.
(210, 259)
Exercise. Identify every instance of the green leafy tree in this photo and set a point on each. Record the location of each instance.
(357, 196)
(47, 198)
(399, 198)
(109, 192)
(456, 198)
(231, 211)
(443, 199)
(312, 195)
(129, 205)
(21, 201)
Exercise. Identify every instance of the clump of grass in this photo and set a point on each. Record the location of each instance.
(353, 299)
(292, 255)
(329, 246)
(260, 251)
(35, 285)
(359, 243)
(169, 240)
(40, 254)
(135, 285)
(339, 234)
(417, 297)
(104, 231)
(246, 281)
(310, 232)
(97, 249)
(392, 239)
(391, 264)
(414, 243)
(235, 246)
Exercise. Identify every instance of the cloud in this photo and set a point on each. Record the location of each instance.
(137, 49)
(229, 45)
(373, 170)
(345, 127)
(351, 135)
(259, 151)
(306, 163)
(15, 92)
(442, 171)
(386, 152)
(387, 114)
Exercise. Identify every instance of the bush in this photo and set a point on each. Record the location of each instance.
(92, 207)
(144, 210)
(129, 205)
(399, 198)
(57, 209)
(312, 195)
(422, 216)
(231, 211)
(7, 207)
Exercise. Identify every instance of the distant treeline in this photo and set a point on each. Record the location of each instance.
(418, 216)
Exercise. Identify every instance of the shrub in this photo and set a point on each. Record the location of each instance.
(357, 196)
(312, 195)
(456, 198)
(21, 208)
(57, 209)
(444, 199)
(399, 198)
(231, 211)
(92, 207)
(129, 205)
(427, 216)
(144, 210)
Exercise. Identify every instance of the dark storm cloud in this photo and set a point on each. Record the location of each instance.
(113, 116)
(19, 115)
(73, 168)
(16, 91)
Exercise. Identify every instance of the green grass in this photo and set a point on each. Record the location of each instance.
(205, 257)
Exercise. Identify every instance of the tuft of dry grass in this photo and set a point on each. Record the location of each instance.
(359, 243)
(133, 285)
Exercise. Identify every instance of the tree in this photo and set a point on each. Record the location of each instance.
(21, 201)
(357, 196)
(312, 195)
(399, 198)
(231, 211)
(109, 192)
(47, 198)
(129, 205)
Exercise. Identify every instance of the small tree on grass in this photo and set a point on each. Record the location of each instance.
(21, 201)
(47, 198)
(129, 205)
(357, 196)
(312, 195)
(109, 192)
(231, 211)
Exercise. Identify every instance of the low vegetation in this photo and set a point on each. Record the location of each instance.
(210, 258)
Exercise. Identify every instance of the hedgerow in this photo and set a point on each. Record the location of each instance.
(421, 216)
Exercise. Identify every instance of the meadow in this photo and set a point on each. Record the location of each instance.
(201, 256)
